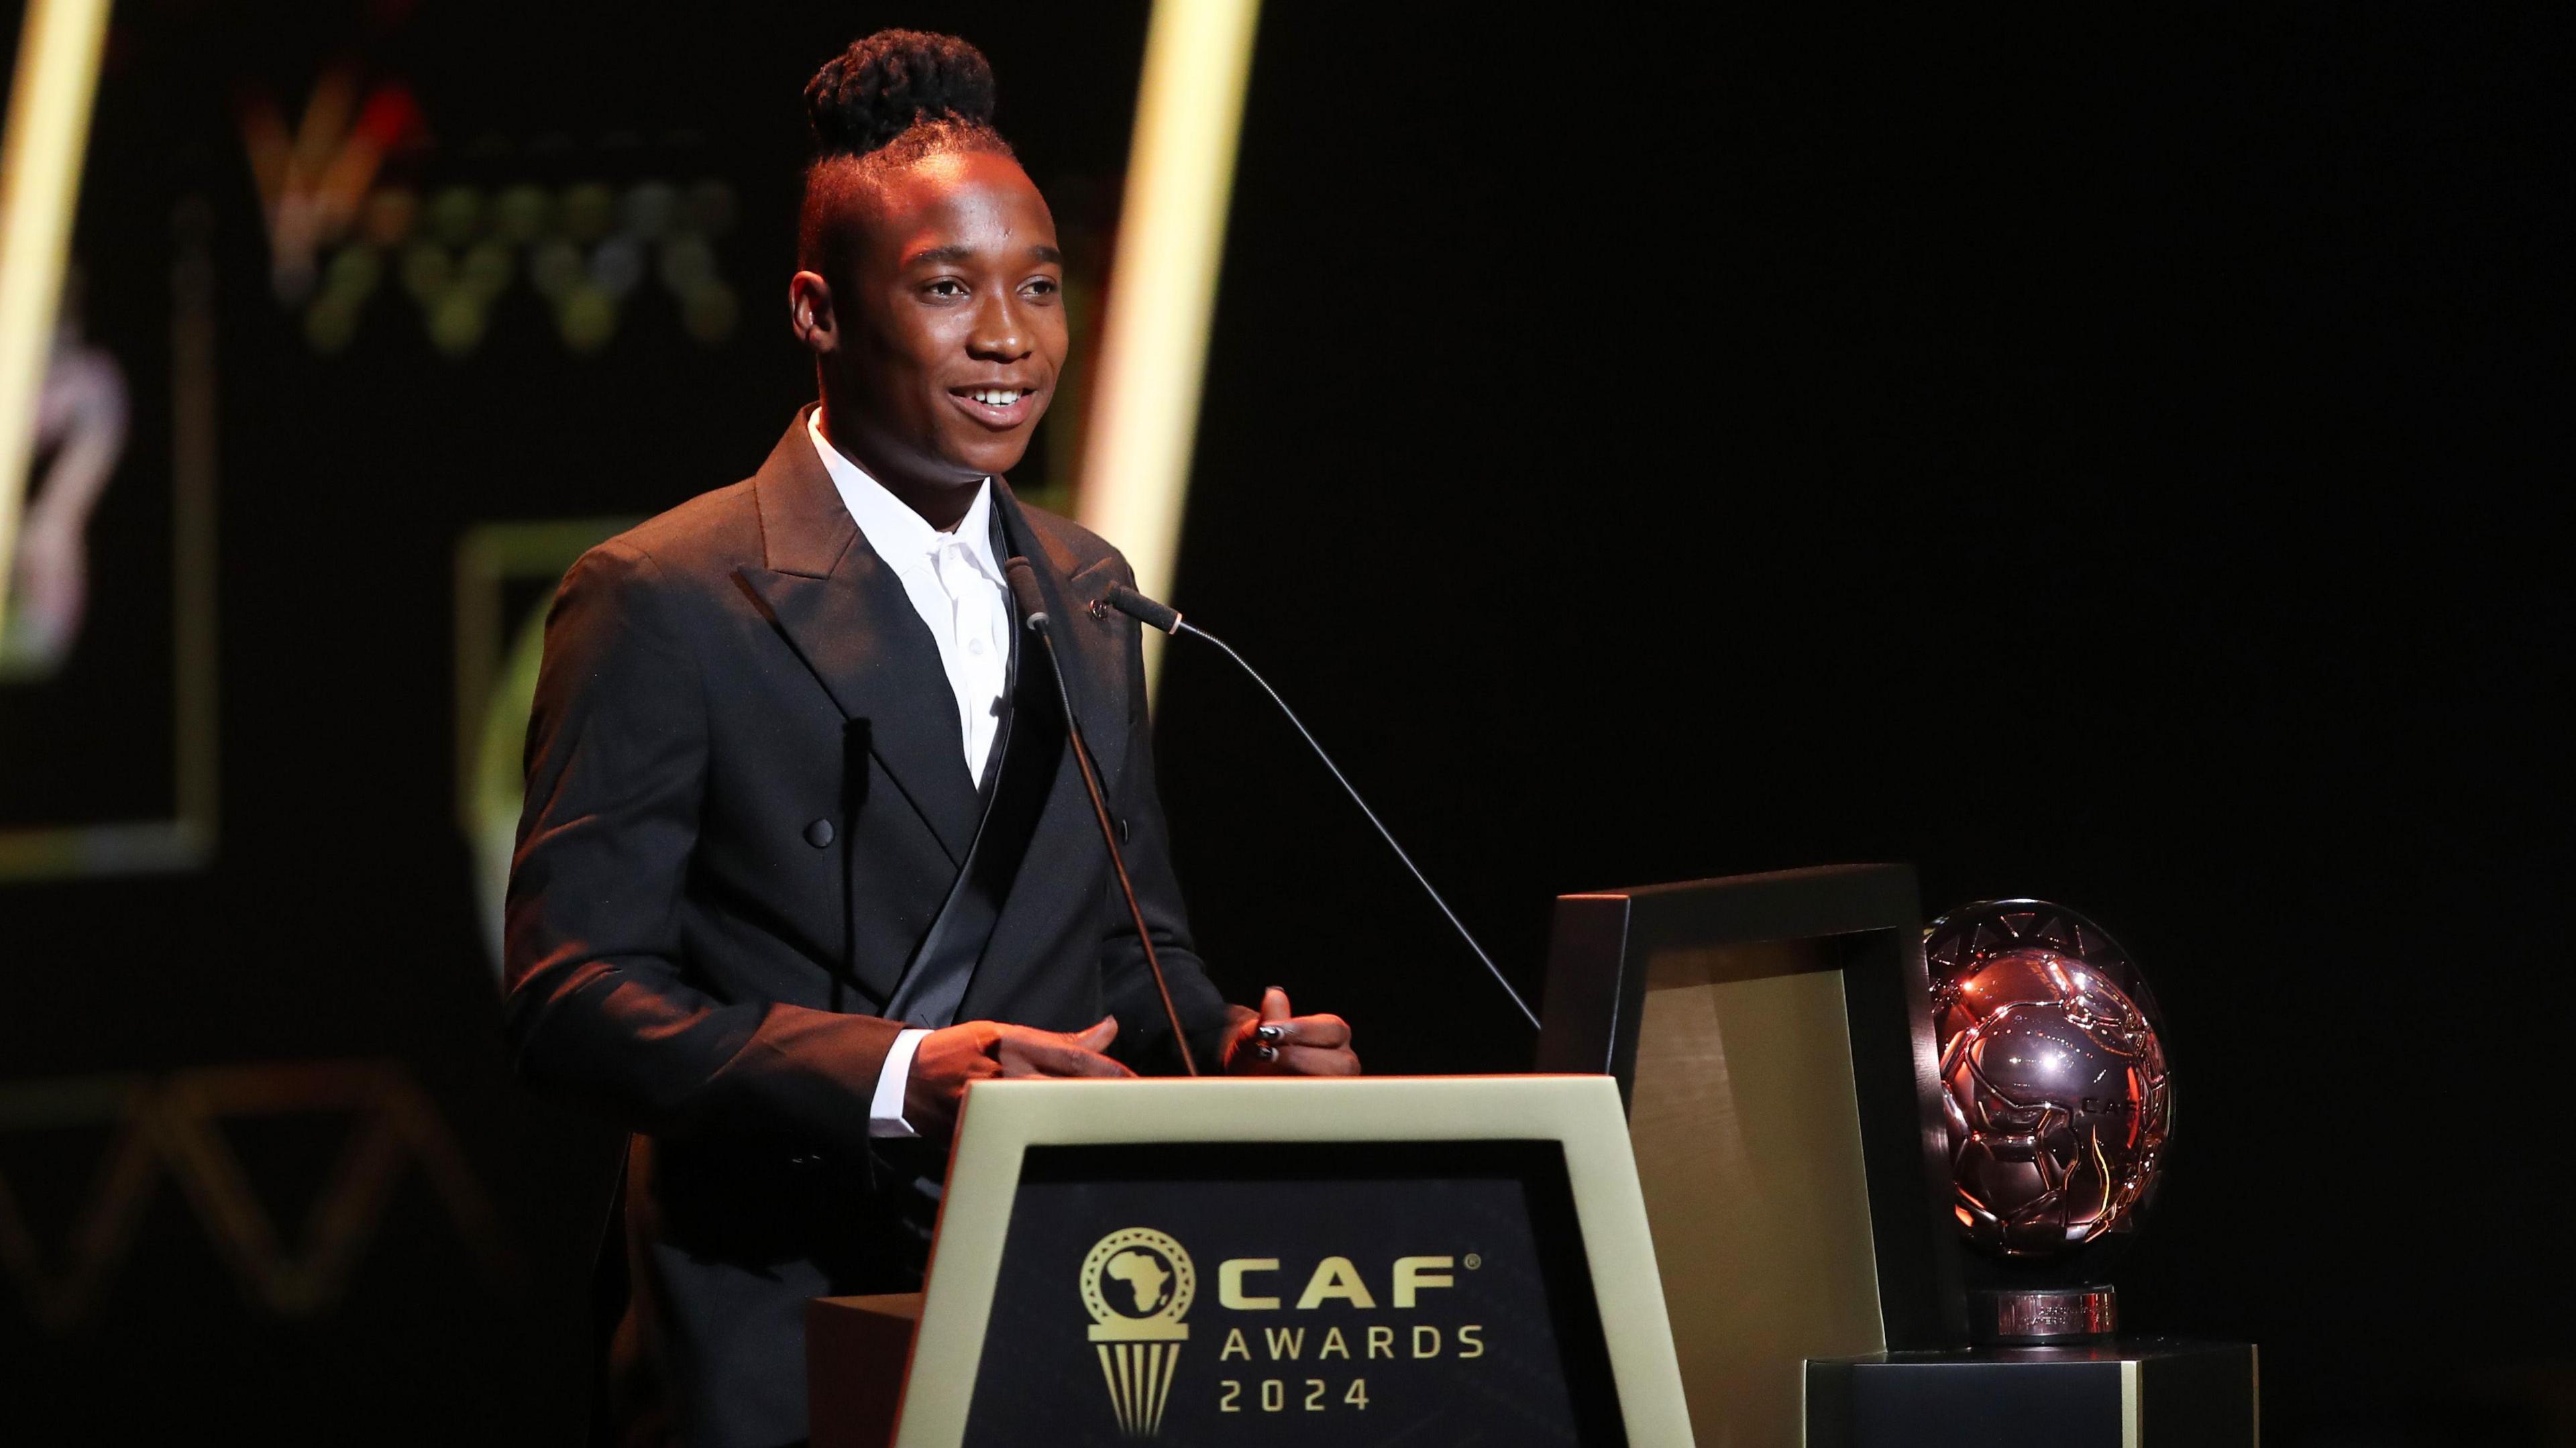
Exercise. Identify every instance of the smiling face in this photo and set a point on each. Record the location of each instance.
(936, 319)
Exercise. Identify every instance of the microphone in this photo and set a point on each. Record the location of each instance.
(1167, 618)
(1033, 617)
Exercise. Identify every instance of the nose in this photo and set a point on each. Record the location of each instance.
(1000, 333)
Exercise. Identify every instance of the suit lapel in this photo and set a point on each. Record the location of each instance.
(1092, 650)
(847, 617)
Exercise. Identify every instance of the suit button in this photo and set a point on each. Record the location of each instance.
(1122, 829)
(819, 833)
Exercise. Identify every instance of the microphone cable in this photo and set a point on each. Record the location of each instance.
(1168, 619)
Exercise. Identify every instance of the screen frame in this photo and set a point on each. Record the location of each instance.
(1866, 921)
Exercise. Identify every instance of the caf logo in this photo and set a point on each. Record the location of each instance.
(1137, 1285)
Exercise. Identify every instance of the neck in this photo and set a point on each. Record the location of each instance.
(941, 499)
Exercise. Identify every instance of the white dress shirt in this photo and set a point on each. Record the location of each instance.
(956, 585)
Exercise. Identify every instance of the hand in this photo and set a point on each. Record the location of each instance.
(946, 1060)
(1271, 1042)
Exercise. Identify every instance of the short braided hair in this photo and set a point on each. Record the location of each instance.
(891, 98)
(927, 92)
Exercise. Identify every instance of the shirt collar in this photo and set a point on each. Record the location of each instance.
(897, 533)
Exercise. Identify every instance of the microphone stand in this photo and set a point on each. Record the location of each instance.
(1033, 614)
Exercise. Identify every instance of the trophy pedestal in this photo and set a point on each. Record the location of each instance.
(2043, 1316)
(2124, 1393)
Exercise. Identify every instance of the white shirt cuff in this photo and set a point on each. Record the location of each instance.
(885, 1108)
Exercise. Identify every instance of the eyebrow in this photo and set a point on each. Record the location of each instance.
(952, 255)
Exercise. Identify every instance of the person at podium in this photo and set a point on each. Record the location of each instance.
(805, 848)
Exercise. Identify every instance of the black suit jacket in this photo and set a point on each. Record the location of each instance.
(747, 802)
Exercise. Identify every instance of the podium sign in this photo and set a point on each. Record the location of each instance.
(1356, 1261)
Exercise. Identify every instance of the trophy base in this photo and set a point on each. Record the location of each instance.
(2043, 1316)
(2126, 1393)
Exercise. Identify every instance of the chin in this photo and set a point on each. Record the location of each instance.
(994, 464)
(990, 457)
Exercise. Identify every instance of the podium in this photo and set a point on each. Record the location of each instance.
(1270, 1261)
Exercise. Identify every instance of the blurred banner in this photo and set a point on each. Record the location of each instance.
(107, 471)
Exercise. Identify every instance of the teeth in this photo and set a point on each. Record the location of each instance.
(998, 396)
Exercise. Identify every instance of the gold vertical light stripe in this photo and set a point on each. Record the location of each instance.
(1162, 285)
(40, 168)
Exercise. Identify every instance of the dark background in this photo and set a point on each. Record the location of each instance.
(2117, 463)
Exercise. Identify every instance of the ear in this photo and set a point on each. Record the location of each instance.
(810, 315)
